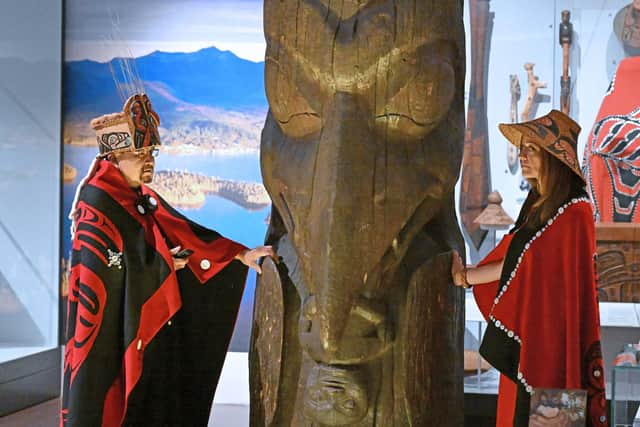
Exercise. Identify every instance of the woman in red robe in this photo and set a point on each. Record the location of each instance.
(537, 288)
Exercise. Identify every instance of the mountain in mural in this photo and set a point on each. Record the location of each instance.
(207, 100)
(207, 77)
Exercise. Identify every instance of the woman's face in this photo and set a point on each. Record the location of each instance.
(530, 156)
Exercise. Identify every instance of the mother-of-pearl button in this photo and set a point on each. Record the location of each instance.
(205, 264)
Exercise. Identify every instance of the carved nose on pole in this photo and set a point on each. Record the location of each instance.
(340, 205)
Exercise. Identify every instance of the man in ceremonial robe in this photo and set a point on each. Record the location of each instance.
(148, 322)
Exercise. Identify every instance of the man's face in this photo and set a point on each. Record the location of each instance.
(136, 166)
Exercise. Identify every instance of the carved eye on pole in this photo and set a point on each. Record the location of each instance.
(420, 104)
(289, 106)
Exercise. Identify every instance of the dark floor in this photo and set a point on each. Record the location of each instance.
(46, 415)
(42, 415)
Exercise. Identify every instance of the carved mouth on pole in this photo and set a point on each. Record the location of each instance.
(336, 396)
(368, 334)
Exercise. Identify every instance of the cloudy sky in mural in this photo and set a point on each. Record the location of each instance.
(166, 25)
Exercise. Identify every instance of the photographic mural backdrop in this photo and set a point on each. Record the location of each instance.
(202, 67)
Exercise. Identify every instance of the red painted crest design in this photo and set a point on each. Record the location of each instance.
(95, 232)
(87, 299)
(145, 121)
(614, 153)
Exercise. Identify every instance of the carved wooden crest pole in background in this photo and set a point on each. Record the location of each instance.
(512, 151)
(359, 324)
(476, 167)
(565, 37)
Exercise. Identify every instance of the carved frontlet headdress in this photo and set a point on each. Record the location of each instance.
(555, 132)
(135, 128)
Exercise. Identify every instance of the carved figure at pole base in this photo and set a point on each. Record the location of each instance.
(358, 324)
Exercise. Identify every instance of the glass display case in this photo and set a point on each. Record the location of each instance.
(521, 49)
(30, 86)
(479, 376)
(516, 66)
(625, 396)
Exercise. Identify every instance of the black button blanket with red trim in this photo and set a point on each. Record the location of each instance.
(145, 344)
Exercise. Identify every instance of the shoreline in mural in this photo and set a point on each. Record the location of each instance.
(184, 149)
(199, 130)
(188, 190)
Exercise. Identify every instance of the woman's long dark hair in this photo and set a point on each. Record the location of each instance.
(554, 184)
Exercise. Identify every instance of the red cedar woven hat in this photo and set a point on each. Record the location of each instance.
(135, 128)
(555, 132)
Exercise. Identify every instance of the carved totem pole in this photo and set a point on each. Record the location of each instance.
(565, 38)
(476, 166)
(512, 151)
(359, 325)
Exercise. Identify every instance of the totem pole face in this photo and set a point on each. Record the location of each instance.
(364, 97)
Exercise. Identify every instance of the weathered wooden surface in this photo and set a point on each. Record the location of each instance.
(359, 324)
(618, 263)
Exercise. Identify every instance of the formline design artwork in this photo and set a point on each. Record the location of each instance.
(612, 169)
